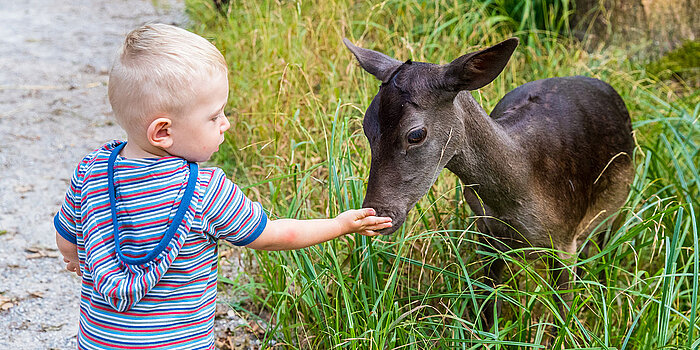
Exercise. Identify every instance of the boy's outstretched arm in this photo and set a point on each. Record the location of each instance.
(289, 234)
(70, 254)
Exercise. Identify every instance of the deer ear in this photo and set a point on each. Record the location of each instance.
(375, 63)
(476, 69)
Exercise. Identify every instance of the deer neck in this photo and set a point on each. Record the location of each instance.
(488, 157)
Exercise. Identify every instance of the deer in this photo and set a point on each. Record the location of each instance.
(549, 166)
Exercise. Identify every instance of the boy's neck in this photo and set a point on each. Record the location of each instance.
(132, 150)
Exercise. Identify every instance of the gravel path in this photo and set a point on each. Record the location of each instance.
(54, 60)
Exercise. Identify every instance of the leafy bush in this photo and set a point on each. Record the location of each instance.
(683, 64)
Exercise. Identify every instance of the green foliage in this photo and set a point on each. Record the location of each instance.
(533, 15)
(683, 63)
(296, 145)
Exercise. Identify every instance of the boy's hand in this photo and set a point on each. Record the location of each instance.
(363, 221)
(70, 254)
(73, 266)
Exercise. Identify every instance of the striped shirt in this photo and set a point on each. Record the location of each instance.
(156, 288)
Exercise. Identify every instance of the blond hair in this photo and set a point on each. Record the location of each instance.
(155, 73)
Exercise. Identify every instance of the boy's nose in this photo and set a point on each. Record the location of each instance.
(226, 124)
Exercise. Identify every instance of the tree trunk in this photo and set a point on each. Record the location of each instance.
(603, 21)
(663, 24)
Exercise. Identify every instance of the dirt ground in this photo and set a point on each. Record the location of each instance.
(54, 63)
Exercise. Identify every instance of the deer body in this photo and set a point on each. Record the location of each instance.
(543, 170)
(553, 154)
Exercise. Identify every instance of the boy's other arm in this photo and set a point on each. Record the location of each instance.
(70, 254)
(290, 234)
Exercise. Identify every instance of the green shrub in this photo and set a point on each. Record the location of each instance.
(683, 63)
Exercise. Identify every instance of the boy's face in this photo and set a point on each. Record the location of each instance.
(199, 130)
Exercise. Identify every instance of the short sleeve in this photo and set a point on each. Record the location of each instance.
(66, 220)
(228, 214)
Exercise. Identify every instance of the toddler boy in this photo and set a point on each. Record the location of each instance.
(141, 220)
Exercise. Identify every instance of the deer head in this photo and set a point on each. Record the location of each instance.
(414, 126)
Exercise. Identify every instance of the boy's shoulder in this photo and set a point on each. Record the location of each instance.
(104, 149)
(214, 180)
(211, 175)
(212, 171)
(91, 158)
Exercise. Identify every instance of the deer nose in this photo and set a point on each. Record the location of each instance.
(397, 217)
(389, 230)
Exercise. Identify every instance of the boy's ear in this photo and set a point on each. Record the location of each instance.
(158, 132)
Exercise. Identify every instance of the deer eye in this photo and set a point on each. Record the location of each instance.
(417, 135)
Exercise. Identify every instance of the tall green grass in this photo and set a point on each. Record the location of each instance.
(296, 145)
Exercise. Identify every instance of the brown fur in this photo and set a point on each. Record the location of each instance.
(551, 162)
